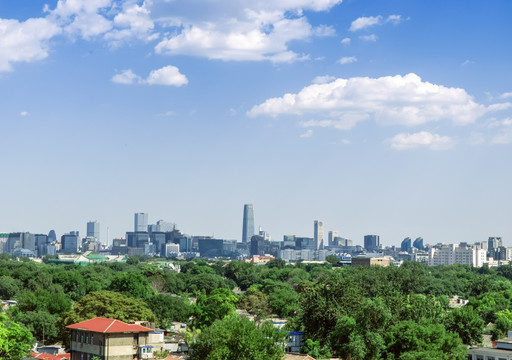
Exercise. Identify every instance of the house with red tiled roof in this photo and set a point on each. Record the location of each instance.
(111, 339)
(45, 356)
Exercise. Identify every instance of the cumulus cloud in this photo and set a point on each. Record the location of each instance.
(369, 38)
(307, 134)
(133, 22)
(323, 79)
(365, 22)
(505, 134)
(394, 19)
(25, 41)
(24, 113)
(168, 76)
(254, 30)
(251, 39)
(369, 21)
(250, 31)
(346, 41)
(389, 100)
(347, 60)
(126, 77)
(422, 139)
(113, 21)
(506, 95)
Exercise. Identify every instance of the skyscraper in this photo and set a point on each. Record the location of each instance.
(318, 234)
(371, 242)
(331, 236)
(418, 243)
(494, 242)
(93, 230)
(141, 222)
(248, 223)
(406, 244)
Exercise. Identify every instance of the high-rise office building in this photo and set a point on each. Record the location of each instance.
(141, 222)
(331, 236)
(248, 223)
(93, 230)
(418, 243)
(318, 234)
(494, 242)
(406, 244)
(371, 242)
(70, 243)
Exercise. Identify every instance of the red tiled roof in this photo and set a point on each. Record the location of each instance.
(45, 356)
(103, 325)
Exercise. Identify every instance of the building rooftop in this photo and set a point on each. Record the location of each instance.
(104, 325)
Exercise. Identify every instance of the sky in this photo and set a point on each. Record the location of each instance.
(378, 117)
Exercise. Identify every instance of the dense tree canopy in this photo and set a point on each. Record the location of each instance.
(15, 341)
(237, 338)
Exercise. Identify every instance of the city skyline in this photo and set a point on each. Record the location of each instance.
(390, 118)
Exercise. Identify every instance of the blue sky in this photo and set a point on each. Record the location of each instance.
(378, 117)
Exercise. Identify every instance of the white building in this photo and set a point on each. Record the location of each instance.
(141, 222)
(457, 254)
(319, 234)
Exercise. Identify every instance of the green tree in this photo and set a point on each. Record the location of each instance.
(41, 324)
(314, 349)
(168, 308)
(109, 304)
(9, 287)
(15, 340)
(332, 259)
(467, 323)
(423, 340)
(220, 303)
(237, 338)
(131, 284)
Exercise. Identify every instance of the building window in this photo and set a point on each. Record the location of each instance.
(92, 338)
(86, 338)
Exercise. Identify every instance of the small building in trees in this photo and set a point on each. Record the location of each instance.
(111, 339)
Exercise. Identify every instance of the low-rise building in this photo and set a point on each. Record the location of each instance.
(111, 339)
(502, 351)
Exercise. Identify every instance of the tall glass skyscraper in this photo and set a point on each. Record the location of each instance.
(248, 224)
(93, 229)
(318, 234)
(141, 222)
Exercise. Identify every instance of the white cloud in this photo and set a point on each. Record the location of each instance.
(323, 79)
(346, 141)
(370, 38)
(116, 22)
(240, 40)
(324, 30)
(505, 135)
(422, 139)
(389, 100)
(466, 63)
(24, 41)
(168, 75)
(506, 95)
(365, 22)
(126, 77)
(347, 60)
(247, 31)
(133, 22)
(346, 41)
(394, 19)
(82, 17)
(24, 113)
(307, 134)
